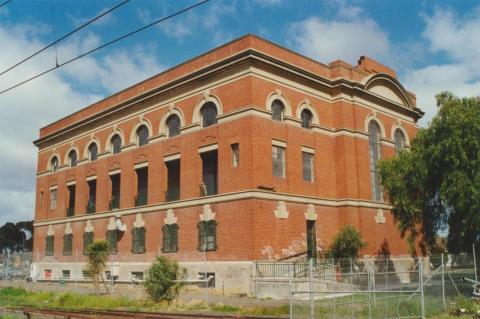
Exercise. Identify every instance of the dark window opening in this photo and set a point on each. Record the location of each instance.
(116, 144)
(87, 240)
(138, 240)
(70, 211)
(208, 279)
(207, 235)
(92, 152)
(115, 201)
(307, 117)
(92, 196)
(374, 153)
(112, 239)
(170, 238)
(72, 158)
(67, 244)
(173, 125)
(142, 186)
(311, 240)
(142, 135)
(54, 164)
(173, 181)
(49, 242)
(65, 274)
(277, 110)
(209, 114)
(235, 154)
(209, 173)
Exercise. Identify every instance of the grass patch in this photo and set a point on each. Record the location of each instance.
(11, 297)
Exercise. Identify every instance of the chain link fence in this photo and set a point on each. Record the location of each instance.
(380, 287)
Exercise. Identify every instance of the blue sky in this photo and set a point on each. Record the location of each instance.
(433, 46)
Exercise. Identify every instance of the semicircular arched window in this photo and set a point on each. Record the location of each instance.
(92, 152)
(374, 134)
(277, 110)
(173, 125)
(72, 158)
(209, 114)
(54, 163)
(142, 135)
(400, 140)
(116, 144)
(307, 118)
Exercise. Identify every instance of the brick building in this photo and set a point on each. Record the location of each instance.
(247, 152)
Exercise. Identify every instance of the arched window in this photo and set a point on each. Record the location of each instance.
(374, 134)
(116, 144)
(277, 110)
(72, 158)
(92, 151)
(54, 164)
(307, 117)
(209, 114)
(173, 125)
(400, 140)
(142, 135)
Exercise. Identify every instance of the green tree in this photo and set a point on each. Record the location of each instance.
(435, 186)
(347, 243)
(161, 279)
(97, 253)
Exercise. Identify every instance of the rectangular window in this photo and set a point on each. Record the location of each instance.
(209, 184)
(49, 240)
(307, 163)
(170, 238)
(278, 161)
(70, 211)
(235, 155)
(115, 201)
(138, 240)
(86, 274)
(65, 274)
(92, 196)
(87, 240)
(41, 199)
(173, 180)
(207, 235)
(142, 186)
(112, 241)
(209, 278)
(67, 244)
(53, 199)
(136, 275)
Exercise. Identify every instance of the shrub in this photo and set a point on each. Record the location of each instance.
(97, 253)
(347, 243)
(161, 279)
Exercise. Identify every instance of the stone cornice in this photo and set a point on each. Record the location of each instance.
(244, 59)
(221, 198)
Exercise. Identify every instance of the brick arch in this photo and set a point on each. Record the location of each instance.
(171, 111)
(108, 147)
(95, 140)
(306, 105)
(197, 117)
(278, 95)
(133, 133)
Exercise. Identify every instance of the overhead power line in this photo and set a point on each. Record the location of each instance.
(5, 3)
(65, 36)
(107, 44)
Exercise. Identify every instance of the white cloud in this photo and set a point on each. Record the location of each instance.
(29, 107)
(106, 19)
(457, 38)
(347, 36)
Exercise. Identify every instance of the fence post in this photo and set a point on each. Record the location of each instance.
(475, 263)
(290, 295)
(443, 285)
(422, 300)
(312, 309)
